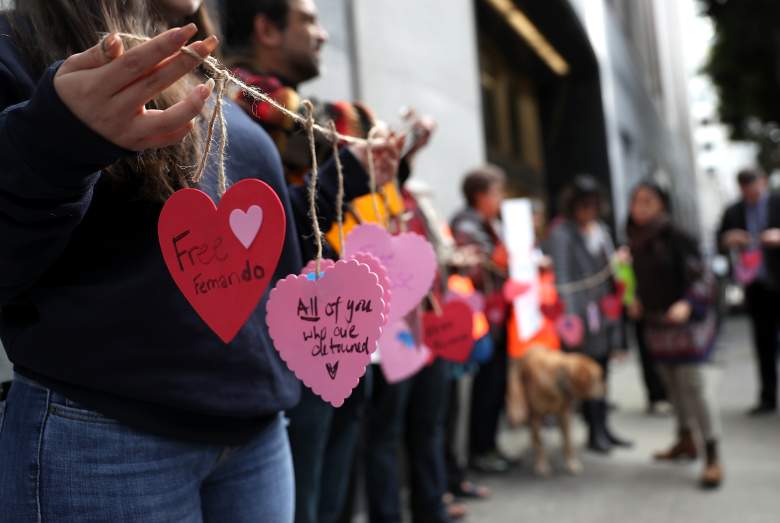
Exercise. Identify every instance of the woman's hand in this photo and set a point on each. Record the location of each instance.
(386, 150)
(635, 310)
(679, 312)
(108, 88)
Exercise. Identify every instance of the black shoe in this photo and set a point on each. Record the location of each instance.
(490, 463)
(618, 442)
(762, 409)
(599, 443)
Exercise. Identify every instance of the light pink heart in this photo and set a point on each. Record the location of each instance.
(408, 257)
(362, 257)
(321, 341)
(401, 358)
(246, 225)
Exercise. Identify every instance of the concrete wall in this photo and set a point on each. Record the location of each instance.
(392, 59)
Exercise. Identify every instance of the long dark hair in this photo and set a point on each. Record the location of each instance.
(51, 30)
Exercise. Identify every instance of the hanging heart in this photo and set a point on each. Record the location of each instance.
(449, 334)
(373, 263)
(513, 289)
(223, 258)
(612, 307)
(401, 358)
(553, 310)
(326, 328)
(496, 308)
(408, 257)
(571, 330)
(748, 266)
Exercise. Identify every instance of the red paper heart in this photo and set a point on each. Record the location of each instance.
(554, 310)
(223, 258)
(495, 308)
(448, 334)
(512, 289)
(612, 306)
(752, 259)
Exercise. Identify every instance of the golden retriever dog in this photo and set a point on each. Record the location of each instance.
(551, 383)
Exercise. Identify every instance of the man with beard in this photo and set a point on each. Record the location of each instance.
(274, 45)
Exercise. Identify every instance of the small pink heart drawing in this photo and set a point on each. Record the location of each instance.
(246, 225)
(401, 357)
(408, 257)
(325, 329)
(571, 329)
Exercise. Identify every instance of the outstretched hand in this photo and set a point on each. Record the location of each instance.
(107, 88)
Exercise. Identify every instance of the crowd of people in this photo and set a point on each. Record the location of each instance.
(125, 407)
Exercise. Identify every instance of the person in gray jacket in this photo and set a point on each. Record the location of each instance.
(581, 249)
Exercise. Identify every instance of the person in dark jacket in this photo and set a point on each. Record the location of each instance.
(120, 388)
(581, 249)
(477, 226)
(275, 45)
(751, 227)
(668, 270)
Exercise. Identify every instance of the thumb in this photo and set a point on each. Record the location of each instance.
(107, 50)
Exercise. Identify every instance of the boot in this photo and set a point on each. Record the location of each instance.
(595, 414)
(615, 440)
(712, 476)
(684, 448)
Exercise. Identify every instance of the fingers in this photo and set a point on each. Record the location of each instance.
(166, 140)
(162, 128)
(164, 75)
(139, 60)
(108, 49)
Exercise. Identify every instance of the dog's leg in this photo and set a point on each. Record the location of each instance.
(541, 465)
(573, 464)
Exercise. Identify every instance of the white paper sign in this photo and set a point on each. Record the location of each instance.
(518, 223)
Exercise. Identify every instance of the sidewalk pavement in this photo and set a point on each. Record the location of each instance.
(627, 486)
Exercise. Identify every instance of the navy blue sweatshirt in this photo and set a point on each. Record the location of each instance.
(87, 306)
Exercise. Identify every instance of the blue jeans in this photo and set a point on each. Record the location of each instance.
(60, 462)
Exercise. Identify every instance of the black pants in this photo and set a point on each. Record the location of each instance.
(414, 411)
(654, 387)
(456, 474)
(762, 304)
(487, 398)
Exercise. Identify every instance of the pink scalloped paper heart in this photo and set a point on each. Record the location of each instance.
(326, 328)
(408, 257)
(373, 263)
(401, 357)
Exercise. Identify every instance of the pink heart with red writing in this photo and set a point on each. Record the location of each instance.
(326, 328)
(223, 258)
(571, 329)
(748, 266)
(401, 357)
(409, 259)
(448, 334)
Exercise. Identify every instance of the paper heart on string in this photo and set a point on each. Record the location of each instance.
(409, 259)
(571, 329)
(748, 266)
(612, 306)
(554, 310)
(223, 258)
(373, 263)
(448, 334)
(495, 308)
(325, 329)
(513, 289)
(401, 357)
